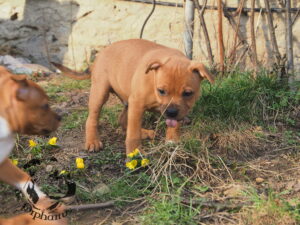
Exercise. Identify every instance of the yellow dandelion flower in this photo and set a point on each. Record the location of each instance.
(80, 165)
(145, 162)
(130, 155)
(132, 164)
(52, 141)
(15, 162)
(32, 143)
(79, 160)
(134, 153)
(62, 172)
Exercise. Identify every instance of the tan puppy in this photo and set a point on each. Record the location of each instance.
(23, 109)
(145, 76)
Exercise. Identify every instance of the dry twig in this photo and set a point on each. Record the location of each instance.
(220, 36)
(203, 25)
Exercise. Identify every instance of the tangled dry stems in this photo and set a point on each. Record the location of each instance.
(174, 159)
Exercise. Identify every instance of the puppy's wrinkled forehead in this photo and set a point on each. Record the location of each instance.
(175, 72)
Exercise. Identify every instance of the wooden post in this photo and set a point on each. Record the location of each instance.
(189, 28)
(289, 41)
(253, 42)
(220, 36)
(272, 33)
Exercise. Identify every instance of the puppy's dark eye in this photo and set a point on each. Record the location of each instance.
(187, 93)
(161, 92)
(45, 106)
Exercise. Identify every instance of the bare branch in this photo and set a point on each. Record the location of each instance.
(220, 36)
(203, 25)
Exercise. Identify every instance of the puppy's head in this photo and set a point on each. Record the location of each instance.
(177, 86)
(29, 111)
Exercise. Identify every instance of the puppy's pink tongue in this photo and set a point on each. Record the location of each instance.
(171, 123)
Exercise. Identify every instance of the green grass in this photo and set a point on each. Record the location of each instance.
(272, 207)
(111, 114)
(75, 119)
(238, 97)
(168, 210)
(55, 87)
(66, 84)
(124, 190)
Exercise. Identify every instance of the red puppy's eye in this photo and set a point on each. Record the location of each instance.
(161, 92)
(187, 93)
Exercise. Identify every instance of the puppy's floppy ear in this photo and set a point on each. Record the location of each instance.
(23, 90)
(156, 64)
(201, 70)
(153, 66)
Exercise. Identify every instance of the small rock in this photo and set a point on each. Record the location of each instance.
(23, 60)
(101, 189)
(8, 60)
(37, 68)
(20, 70)
(234, 191)
(259, 180)
(297, 187)
(49, 168)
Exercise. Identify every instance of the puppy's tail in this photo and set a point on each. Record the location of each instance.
(70, 73)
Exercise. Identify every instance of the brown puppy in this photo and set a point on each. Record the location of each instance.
(23, 109)
(145, 76)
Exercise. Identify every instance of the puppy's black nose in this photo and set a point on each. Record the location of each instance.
(171, 112)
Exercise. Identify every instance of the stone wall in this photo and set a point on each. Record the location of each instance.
(67, 31)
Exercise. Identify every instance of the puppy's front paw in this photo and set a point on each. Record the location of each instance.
(148, 134)
(93, 145)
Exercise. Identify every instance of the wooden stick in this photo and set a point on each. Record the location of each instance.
(253, 42)
(189, 28)
(220, 36)
(239, 35)
(295, 17)
(90, 206)
(233, 52)
(272, 33)
(289, 37)
(229, 9)
(203, 25)
(289, 43)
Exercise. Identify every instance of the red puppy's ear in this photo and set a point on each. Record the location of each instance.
(201, 70)
(23, 90)
(23, 93)
(153, 66)
(156, 64)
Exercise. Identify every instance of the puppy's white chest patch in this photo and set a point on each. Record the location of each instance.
(6, 139)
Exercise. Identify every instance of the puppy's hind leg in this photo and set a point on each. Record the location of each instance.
(123, 117)
(98, 96)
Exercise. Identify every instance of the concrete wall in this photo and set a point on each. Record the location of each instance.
(67, 31)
